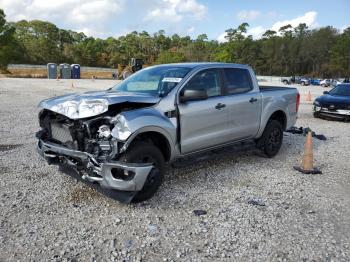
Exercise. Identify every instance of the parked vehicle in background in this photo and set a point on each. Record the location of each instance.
(334, 104)
(315, 81)
(122, 138)
(302, 81)
(325, 82)
(335, 82)
(286, 80)
(295, 80)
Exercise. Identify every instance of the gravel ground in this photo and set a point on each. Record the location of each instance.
(255, 208)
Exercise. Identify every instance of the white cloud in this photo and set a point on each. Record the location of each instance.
(90, 15)
(221, 38)
(256, 31)
(308, 18)
(174, 10)
(245, 15)
(191, 29)
(341, 30)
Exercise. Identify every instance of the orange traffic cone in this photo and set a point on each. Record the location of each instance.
(307, 166)
(308, 96)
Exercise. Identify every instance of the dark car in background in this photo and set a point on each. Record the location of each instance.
(334, 104)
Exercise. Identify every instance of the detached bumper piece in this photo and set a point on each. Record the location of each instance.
(118, 180)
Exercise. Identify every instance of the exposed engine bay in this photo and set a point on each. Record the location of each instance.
(92, 135)
(91, 147)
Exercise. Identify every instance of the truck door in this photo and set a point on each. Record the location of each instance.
(243, 103)
(203, 123)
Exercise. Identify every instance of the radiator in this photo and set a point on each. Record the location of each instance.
(61, 133)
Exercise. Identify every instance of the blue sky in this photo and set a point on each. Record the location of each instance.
(103, 18)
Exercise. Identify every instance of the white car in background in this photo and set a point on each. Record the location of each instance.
(325, 82)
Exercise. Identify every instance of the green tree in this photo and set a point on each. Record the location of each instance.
(340, 54)
(169, 56)
(7, 42)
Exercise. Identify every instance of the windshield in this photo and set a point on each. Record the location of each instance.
(157, 81)
(341, 90)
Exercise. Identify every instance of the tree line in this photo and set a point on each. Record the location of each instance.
(321, 52)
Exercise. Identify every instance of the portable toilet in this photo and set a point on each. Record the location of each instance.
(75, 71)
(65, 71)
(51, 71)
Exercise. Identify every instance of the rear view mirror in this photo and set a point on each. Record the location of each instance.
(193, 94)
(325, 92)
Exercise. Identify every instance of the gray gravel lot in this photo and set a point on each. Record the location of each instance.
(257, 208)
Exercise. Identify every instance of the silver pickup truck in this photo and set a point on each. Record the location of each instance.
(120, 140)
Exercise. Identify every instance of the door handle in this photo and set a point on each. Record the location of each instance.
(219, 106)
(252, 100)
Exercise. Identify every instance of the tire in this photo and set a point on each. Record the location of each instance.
(323, 85)
(142, 152)
(285, 82)
(302, 83)
(271, 140)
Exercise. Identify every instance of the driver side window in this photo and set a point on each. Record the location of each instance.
(208, 80)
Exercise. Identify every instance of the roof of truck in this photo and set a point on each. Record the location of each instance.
(200, 64)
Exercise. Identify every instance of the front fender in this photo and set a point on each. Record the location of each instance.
(149, 120)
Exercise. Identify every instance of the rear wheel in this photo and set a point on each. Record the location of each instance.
(302, 83)
(285, 82)
(142, 152)
(271, 140)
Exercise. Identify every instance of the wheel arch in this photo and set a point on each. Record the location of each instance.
(275, 114)
(279, 116)
(154, 135)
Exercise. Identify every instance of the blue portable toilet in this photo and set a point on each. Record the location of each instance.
(75, 71)
(51, 71)
(65, 71)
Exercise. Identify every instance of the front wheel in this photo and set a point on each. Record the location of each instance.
(271, 140)
(142, 152)
(302, 83)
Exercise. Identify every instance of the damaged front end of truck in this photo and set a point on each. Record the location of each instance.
(85, 135)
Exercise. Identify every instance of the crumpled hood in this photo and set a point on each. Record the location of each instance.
(111, 96)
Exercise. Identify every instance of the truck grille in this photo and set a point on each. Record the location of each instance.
(61, 133)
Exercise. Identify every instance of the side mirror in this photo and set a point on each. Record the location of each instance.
(325, 92)
(193, 94)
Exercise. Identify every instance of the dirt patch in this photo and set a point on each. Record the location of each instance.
(4, 148)
(81, 194)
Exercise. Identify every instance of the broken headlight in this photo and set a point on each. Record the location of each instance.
(121, 130)
(84, 108)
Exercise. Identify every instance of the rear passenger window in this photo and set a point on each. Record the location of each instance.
(238, 80)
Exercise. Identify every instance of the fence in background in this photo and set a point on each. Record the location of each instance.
(87, 72)
(40, 71)
(271, 79)
(86, 68)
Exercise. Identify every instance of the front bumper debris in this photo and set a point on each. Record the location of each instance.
(90, 170)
